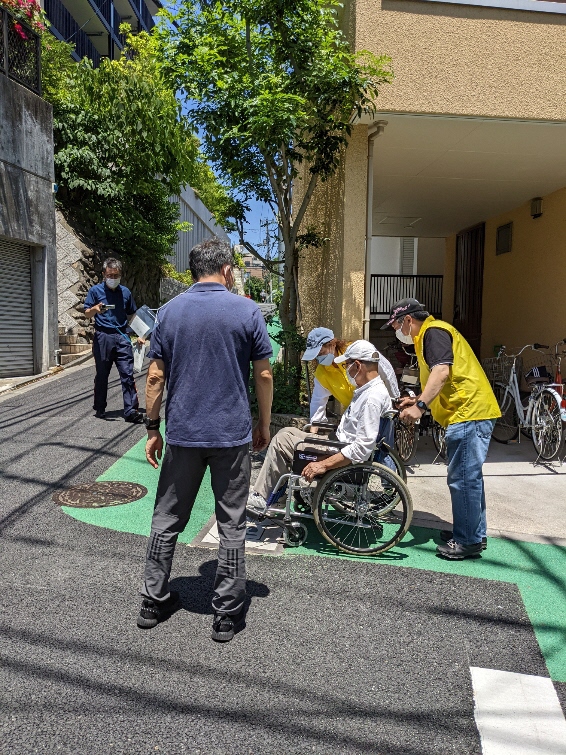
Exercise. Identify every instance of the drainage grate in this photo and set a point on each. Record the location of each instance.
(96, 495)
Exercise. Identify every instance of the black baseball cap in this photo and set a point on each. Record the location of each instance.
(401, 308)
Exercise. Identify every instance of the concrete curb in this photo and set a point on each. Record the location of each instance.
(43, 375)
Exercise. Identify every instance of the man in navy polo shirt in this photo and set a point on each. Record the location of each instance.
(202, 346)
(111, 343)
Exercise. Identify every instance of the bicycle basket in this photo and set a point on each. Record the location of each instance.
(498, 369)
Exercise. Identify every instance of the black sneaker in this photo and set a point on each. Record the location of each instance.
(447, 535)
(456, 552)
(152, 613)
(100, 415)
(225, 626)
(136, 418)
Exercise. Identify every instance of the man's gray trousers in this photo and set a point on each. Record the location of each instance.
(181, 475)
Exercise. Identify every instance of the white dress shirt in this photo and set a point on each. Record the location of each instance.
(320, 395)
(360, 424)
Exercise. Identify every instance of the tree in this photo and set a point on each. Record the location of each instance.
(275, 88)
(123, 147)
(253, 287)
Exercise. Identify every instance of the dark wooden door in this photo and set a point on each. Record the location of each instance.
(469, 285)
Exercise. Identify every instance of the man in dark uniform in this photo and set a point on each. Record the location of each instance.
(112, 307)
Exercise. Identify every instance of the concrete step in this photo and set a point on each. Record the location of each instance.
(66, 358)
(67, 339)
(75, 348)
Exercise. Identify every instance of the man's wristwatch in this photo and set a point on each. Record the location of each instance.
(422, 406)
(152, 424)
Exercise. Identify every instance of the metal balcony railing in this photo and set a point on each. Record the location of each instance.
(20, 52)
(147, 19)
(385, 290)
(64, 26)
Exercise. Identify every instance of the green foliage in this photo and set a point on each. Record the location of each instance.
(253, 287)
(289, 336)
(276, 89)
(170, 272)
(123, 147)
(273, 83)
(286, 398)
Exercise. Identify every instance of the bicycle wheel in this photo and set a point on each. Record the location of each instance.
(439, 439)
(406, 437)
(547, 425)
(507, 426)
(365, 508)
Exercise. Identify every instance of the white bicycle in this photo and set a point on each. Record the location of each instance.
(538, 414)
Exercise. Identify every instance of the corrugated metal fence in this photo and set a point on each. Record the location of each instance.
(193, 211)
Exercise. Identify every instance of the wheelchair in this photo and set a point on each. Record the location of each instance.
(363, 509)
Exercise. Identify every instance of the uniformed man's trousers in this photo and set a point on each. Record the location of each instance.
(114, 348)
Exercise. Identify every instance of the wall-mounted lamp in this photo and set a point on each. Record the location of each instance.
(536, 207)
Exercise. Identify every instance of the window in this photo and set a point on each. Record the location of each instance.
(504, 238)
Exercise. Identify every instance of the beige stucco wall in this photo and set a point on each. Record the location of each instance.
(524, 293)
(331, 279)
(467, 60)
(448, 59)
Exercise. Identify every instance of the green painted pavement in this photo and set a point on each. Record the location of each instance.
(273, 328)
(539, 571)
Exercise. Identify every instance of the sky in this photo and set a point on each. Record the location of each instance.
(259, 211)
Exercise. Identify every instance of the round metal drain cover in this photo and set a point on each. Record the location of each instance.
(97, 495)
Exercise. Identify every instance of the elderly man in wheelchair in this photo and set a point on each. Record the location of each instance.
(336, 478)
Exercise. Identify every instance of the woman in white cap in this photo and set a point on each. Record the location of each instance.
(330, 378)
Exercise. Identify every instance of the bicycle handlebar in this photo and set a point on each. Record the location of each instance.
(534, 346)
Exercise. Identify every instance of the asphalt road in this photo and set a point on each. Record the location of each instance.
(337, 656)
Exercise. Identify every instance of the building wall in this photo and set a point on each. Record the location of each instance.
(331, 279)
(524, 295)
(27, 211)
(430, 256)
(467, 60)
(523, 290)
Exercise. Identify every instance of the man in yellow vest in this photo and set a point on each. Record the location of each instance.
(458, 393)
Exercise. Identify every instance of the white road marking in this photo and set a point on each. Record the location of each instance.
(517, 714)
(258, 537)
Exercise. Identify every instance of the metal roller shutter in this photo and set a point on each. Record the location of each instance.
(16, 315)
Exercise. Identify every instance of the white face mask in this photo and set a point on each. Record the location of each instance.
(112, 282)
(326, 359)
(407, 339)
(352, 380)
(403, 338)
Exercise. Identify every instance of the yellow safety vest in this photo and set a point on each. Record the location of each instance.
(467, 394)
(333, 378)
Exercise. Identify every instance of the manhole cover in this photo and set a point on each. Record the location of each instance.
(96, 495)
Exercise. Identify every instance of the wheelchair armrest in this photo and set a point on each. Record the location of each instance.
(324, 425)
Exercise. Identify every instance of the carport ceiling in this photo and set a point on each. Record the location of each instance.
(435, 176)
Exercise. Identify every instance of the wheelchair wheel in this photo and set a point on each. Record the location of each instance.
(295, 534)
(364, 509)
(399, 467)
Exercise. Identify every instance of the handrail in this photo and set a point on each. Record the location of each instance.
(385, 290)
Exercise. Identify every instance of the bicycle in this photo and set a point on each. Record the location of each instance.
(541, 415)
